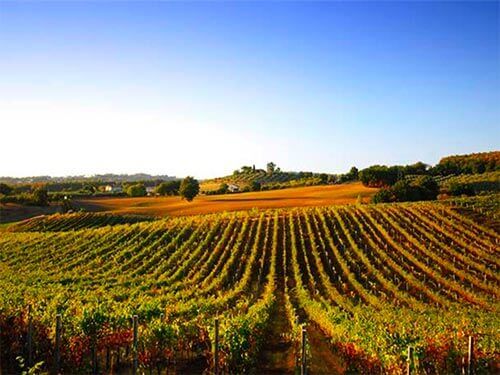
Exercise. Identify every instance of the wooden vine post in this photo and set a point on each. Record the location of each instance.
(1, 350)
(135, 346)
(216, 347)
(303, 364)
(409, 365)
(470, 357)
(57, 355)
(30, 338)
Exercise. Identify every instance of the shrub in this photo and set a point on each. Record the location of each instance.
(137, 190)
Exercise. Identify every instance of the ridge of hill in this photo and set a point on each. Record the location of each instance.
(268, 180)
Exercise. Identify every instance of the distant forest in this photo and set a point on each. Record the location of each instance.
(104, 178)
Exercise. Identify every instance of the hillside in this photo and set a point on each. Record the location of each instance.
(469, 163)
(367, 281)
(277, 179)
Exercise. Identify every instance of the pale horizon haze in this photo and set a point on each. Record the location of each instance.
(203, 88)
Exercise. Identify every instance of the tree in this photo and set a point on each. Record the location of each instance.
(353, 174)
(189, 188)
(427, 187)
(136, 190)
(169, 188)
(420, 189)
(417, 168)
(255, 185)
(323, 178)
(40, 197)
(457, 189)
(382, 196)
(379, 175)
(332, 179)
(271, 167)
(223, 188)
(5, 189)
(404, 191)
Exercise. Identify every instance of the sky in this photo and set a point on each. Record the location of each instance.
(201, 88)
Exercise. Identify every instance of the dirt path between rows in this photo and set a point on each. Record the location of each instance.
(323, 358)
(278, 353)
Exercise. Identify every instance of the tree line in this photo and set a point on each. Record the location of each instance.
(417, 181)
(188, 188)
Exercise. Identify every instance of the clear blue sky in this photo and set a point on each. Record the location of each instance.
(127, 87)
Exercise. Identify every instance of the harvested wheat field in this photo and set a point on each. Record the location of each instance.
(175, 206)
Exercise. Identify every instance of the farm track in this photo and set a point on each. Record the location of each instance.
(350, 274)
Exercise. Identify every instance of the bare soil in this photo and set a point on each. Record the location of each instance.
(175, 206)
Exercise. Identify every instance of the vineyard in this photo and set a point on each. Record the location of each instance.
(366, 282)
(72, 222)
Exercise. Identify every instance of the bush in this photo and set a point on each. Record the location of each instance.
(5, 189)
(457, 189)
(40, 197)
(223, 188)
(137, 190)
(255, 186)
(384, 195)
(421, 189)
(169, 188)
(428, 188)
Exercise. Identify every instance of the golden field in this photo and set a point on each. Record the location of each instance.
(175, 206)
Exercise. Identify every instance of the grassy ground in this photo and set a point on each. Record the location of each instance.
(175, 206)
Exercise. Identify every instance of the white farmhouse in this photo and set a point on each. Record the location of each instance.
(113, 189)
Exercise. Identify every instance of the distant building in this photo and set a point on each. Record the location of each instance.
(150, 190)
(233, 188)
(113, 189)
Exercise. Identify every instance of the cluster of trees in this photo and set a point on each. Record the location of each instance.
(422, 188)
(64, 183)
(188, 188)
(5, 189)
(254, 185)
(382, 175)
(352, 175)
(415, 182)
(246, 169)
(38, 196)
(468, 164)
(168, 188)
(136, 190)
